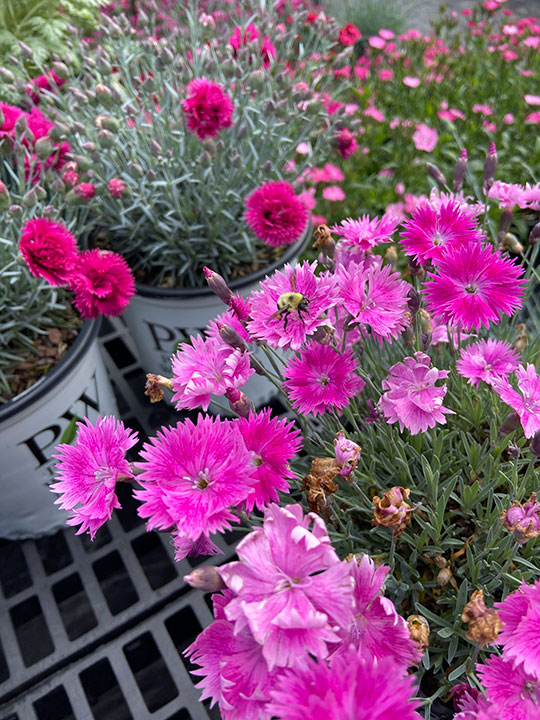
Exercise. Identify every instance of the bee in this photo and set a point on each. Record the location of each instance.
(290, 302)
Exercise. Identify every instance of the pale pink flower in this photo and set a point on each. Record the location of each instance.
(375, 297)
(321, 378)
(291, 588)
(207, 367)
(520, 634)
(525, 401)
(365, 232)
(87, 472)
(411, 396)
(373, 112)
(532, 99)
(533, 118)
(508, 194)
(274, 443)
(412, 82)
(192, 475)
(352, 685)
(482, 109)
(487, 360)
(425, 138)
(187, 547)
(515, 692)
(333, 193)
(377, 42)
(474, 285)
(328, 173)
(429, 231)
(292, 329)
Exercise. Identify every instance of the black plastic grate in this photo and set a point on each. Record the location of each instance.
(96, 629)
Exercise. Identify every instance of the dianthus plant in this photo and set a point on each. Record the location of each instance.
(185, 129)
(414, 395)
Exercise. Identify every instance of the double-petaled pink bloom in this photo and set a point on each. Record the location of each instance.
(208, 108)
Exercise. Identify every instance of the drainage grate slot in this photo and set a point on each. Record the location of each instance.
(14, 573)
(103, 692)
(75, 609)
(103, 536)
(128, 514)
(115, 582)
(183, 627)
(155, 561)
(31, 630)
(180, 715)
(54, 552)
(54, 706)
(4, 670)
(213, 713)
(153, 678)
(119, 353)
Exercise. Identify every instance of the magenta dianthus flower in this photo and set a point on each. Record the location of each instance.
(292, 590)
(474, 285)
(487, 360)
(88, 471)
(208, 108)
(515, 692)
(366, 232)
(520, 634)
(185, 546)
(526, 400)
(274, 443)
(205, 367)
(431, 230)
(411, 396)
(10, 114)
(351, 686)
(292, 329)
(192, 475)
(425, 138)
(103, 283)
(375, 297)
(321, 378)
(276, 214)
(50, 250)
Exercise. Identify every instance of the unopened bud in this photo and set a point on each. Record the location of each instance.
(510, 423)
(104, 94)
(205, 578)
(58, 132)
(413, 303)
(155, 148)
(205, 159)
(436, 174)
(425, 321)
(78, 127)
(118, 188)
(239, 402)
(242, 131)
(210, 146)
(30, 198)
(89, 146)
(165, 57)
(460, 171)
(83, 163)
(323, 335)
(21, 125)
(61, 70)
(16, 210)
(27, 52)
(490, 167)
(505, 221)
(511, 243)
(267, 167)
(40, 192)
(236, 160)
(535, 234)
(391, 256)
(107, 122)
(58, 185)
(6, 75)
(229, 335)
(105, 138)
(522, 339)
(415, 269)
(4, 196)
(136, 170)
(534, 447)
(43, 148)
(218, 285)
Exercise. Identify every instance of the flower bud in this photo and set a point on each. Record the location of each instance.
(6, 75)
(27, 52)
(16, 210)
(89, 146)
(236, 160)
(484, 623)
(523, 520)
(391, 257)
(107, 122)
(43, 148)
(229, 335)
(512, 244)
(58, 185)
(218, 285)
(137, 170)
(58, 132)
(391, 511)
(415, 269)
(419, 631)
(535, 234)
(155, 148)
(460, 171)
(510, 423)
(105, 138)
(205, 578)
(5, 198)
(242, 130)
(347, 453)
(239, 402)
(413, 303)
(118, 188)
(425, 321)
(61, 70)
(505, 221)
(210, 146)
(81, 193)
(534, 447)
(30, 198)
(267, 167)
(490, 167)
(104, 94)
(83, 163)
(40, 192)
(205, 159)
(436, 174)
(165, 57)
(21, 125)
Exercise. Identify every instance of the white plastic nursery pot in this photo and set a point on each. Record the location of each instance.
(158, 318)
(32, 424)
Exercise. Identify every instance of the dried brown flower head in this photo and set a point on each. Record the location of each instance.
(154, 386)
(319, 484)
(391, 511)
(419, 631)
(484, 622)
(324, 240)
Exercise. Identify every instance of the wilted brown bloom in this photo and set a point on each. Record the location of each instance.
(484, 622)
(319, 484)
(154, 385)
(522, 340)
(324, 240)
(523, 519)
(419, 631)
(391, 511)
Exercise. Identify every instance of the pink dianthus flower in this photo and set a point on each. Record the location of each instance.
(429, 231)
(38, 124)
(515, 692)
(520, 634)
(425, 138)
(352, 685)
(487, 360)
(117, 187)
(526, 400)
(50, 250)
(346, 143)
(411, 396)
(291, 588)
(474, 286)
(274, 443)
(276, 214)
(49, 81)
(103, 283)
(292, 329)
(192, 475)
(207, 367)
(9, 114)
(207, 107)
(366, 232)
(185, 546)
(87, 472)
(321, 378)
(375, 297)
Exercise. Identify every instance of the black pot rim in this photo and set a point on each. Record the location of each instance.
(87, 334)
(292, 250)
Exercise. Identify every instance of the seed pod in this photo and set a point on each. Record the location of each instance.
(460, 171)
